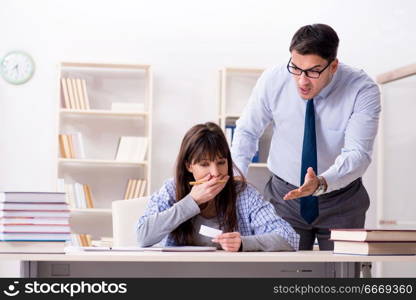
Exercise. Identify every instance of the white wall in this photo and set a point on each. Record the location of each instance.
(186, 42)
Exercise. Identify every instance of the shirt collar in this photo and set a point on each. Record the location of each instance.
(330, 86)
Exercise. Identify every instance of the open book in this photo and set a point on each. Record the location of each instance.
(139, 249)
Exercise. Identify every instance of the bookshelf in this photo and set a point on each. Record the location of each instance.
(102, 103)
(235, 87)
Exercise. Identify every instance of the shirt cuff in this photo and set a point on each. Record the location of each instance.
(270, 241)
(331, 178)
(249, 243)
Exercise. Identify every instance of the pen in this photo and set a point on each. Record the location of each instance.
(201, 182)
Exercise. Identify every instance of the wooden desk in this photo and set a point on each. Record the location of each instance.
(196, 264)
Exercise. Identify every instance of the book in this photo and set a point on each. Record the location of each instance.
(128, 189)
(64, 146)
(33, 221)
(75, 93)
(142, 192)
(132, 148)
(80, 93)
(33, 206)
(123, 149)
(229, 130)
(84, 240)
(88, 196)
(256, 157)
(71, 94)
(361, 234)
(39, 197)
(66, 102)
(33, 213)
(70, 197)
(61, 146)
(32, 247)
(71, 146)
(34, 236)
(133, 189)
(374, 248)
(136, 193)
(44, 228)
(85, 94)
(143, 249)
(78, 145)
(80, 196)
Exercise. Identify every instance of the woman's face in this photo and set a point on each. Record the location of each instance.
(216, 168)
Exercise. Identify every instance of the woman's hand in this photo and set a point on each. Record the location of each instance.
(230, 241)
(207, 191)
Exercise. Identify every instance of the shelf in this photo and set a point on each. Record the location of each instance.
(74, 161)
(90, 210)
(93, 137)
(258, 165)
(244, 70)
(235, 87)
(230, 116)
(104, 66)
(101, 112)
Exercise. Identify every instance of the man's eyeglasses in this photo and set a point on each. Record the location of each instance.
(309, 73)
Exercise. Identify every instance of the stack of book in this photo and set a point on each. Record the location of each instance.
(85, 240)
(374, 241)
(71, 145)
(74, 91)
(33, 222)
(81, 240)
(77, 195)
(135, 188)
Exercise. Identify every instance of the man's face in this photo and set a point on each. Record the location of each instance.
(310, 87)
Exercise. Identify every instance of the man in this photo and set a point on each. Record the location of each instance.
(325, 118)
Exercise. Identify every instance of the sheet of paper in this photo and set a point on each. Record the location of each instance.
(78, 249)
(209, 231)
(133, 248)
(167, 249)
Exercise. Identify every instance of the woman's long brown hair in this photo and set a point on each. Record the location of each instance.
(206, 141)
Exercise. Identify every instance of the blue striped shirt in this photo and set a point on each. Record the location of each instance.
(346, 119)
(255, 216)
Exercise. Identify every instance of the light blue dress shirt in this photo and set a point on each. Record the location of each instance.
(346, 115)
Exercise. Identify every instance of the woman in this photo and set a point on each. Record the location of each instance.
(216, 200)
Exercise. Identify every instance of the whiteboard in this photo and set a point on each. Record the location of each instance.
(397, 150)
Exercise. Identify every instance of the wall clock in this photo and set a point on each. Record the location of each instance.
(17, 67)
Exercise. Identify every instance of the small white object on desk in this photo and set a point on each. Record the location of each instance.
(209, 231)
(71, 249)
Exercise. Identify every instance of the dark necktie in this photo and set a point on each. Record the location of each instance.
(309, 205)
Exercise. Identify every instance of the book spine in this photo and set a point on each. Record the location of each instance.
(66, 102)
(85, 94)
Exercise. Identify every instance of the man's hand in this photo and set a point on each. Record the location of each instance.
(308, 188)
(230, 241)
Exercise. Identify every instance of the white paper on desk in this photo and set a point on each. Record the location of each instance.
(82, 249)
(189, 249)
(134, 248)
(167, 249)
(209, 231)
